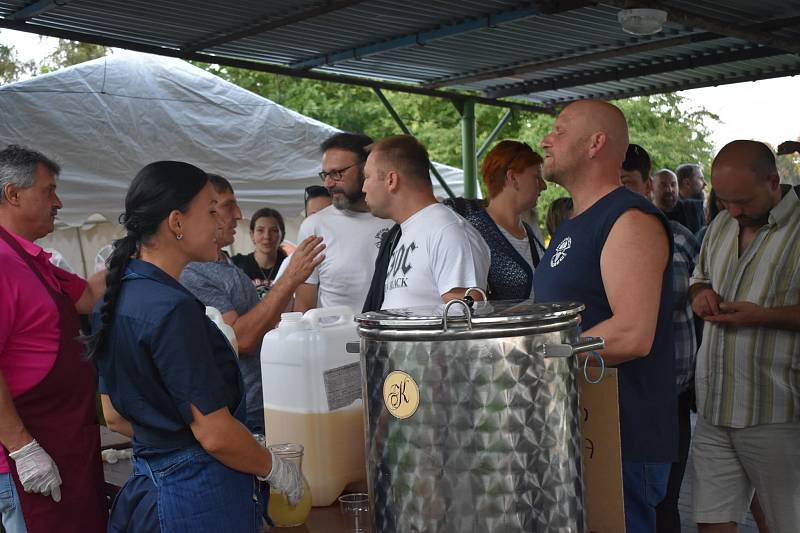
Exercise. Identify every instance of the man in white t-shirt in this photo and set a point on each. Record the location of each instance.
(352, 234)
(438, 254)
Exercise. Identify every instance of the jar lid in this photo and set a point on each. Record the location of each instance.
(491, 314)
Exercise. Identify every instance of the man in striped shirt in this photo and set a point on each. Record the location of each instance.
(746, 286)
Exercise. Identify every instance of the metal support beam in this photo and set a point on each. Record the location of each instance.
(495, 132)
(83, 254)
(420, 38)
(402, 125)
(721, 27)
(35, 9)
(574, 57)
(468, 158)
(671, 64)
(266, 24)
(263, 67)
(696, 83)
(608, 51)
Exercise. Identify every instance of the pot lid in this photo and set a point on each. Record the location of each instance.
(483, 314)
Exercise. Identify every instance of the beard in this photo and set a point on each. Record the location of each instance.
(698, 196)
(669, 201)
(347, 199)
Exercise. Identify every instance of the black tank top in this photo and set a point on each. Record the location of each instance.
(570, 270)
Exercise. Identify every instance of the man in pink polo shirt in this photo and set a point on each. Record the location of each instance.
(51, 457)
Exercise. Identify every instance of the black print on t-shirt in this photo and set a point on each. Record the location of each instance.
(379, 237)
(400, 263)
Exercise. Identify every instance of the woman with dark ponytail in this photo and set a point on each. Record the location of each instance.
(169, 378)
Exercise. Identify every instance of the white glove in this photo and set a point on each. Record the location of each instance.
(37, 471)
(286, 477)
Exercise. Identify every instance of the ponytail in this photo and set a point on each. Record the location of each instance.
(117, 263)
(158, 189)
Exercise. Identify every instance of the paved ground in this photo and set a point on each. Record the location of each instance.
(685, 505)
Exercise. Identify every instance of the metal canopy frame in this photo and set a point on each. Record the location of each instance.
(542, 54)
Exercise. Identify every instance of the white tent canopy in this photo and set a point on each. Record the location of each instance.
(105, 119)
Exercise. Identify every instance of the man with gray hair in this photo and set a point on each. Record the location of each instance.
(667, 196)
(48, 420)
(691, 182)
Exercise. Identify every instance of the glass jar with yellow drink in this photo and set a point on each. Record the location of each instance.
(283, 514)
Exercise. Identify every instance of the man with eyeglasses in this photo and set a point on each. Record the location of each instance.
(351, 232)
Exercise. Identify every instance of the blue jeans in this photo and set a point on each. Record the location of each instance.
(644, 486)
(188, 491)
(10, 510)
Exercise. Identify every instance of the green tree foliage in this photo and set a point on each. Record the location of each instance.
(11, 68)
(671, 133)
(435, 121)
(789, 167)
(661, 123)
(68, 53)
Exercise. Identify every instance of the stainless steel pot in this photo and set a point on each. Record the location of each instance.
(473, 417)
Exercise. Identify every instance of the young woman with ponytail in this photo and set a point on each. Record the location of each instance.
(169, 378)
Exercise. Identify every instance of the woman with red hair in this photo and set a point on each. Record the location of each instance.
(513, 176)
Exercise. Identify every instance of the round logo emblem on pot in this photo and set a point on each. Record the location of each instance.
(400, 394)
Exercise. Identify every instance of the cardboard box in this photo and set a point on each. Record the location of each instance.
(602, 452)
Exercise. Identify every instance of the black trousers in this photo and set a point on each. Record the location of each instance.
(668, 519)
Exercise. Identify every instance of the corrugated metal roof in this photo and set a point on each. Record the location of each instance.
(547, 52)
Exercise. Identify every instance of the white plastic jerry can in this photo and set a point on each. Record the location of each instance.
(312, 396)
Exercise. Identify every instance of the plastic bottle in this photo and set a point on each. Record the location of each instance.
(312, 396)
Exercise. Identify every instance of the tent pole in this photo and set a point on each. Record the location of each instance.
(388, 105)
(86, 273)
(468, 156)
(495, 132)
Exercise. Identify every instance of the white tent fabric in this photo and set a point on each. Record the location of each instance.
(105, 119)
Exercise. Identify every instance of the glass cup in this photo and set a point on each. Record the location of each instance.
(355, 508)
(283, 514)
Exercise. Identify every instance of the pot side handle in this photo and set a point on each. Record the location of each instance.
(584, 344)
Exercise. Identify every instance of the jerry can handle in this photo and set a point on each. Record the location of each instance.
(353, 347)
(344, 313)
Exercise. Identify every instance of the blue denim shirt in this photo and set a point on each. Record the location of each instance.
(163, 355)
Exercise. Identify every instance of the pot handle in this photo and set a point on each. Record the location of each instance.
(584, 344)
(591, 344)
(588, 344)
(467, 312)
(478, 290)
